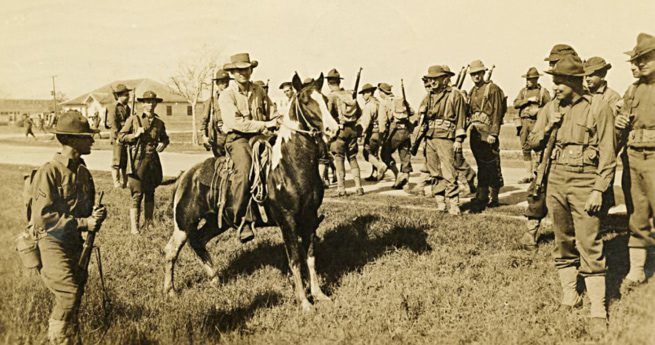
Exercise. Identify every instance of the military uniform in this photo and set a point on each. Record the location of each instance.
(639, 105)
(528, 102)
(398, 140)
(244, 116)
(115, 119)
(487, 110)
(29, 125)
(63, 194)
(212, 127)
(584, 161)
(374, 124)
(144, 169)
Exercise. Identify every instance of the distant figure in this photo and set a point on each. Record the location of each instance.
(95, 124)
(115, 119)
(28, 124)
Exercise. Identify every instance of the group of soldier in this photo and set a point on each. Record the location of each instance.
(587, 127)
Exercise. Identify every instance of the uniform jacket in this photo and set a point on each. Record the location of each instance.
(609, 95)
(527, 108)
(639, 102)
(492, 106)
(585, 140)
(373, 118)
(143, 148)
(386, 112)
(63, 195)
(117, 115)
(343, 107)
(244, 111)
(212, 122)
(446, 112)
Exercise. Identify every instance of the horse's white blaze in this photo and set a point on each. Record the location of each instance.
(330, 125)
(284, 134)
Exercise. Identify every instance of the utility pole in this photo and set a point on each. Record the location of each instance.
(54, 93)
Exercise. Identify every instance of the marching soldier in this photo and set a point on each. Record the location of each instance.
(530, 99)
(596, 69)
(637, 120)
(242, 107)
(445, 110)
(373, 122)
(582, 170)
(398, 140)
(488, 107)
(117, 115)
(346, 110)
(212, 123)
(63, 196)
(537, 210)
(146, 135)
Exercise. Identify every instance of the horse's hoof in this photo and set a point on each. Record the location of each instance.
(321, 297)
(307, 307)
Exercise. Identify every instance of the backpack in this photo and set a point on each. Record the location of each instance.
(26, 243)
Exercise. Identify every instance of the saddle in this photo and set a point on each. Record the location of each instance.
(215, 175)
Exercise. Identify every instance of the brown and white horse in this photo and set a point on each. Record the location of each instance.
(295, 193)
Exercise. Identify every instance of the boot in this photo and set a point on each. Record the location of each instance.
(134, 220)
(493, 197)
(596, 290)
(418, 190)
(63, 333)
(245, 232)
(354, 169)
(529, 176)
(568, 278)
(381, 171)
(115, 176)
(401, 180)
(453, 206)
(636, 275)
(531, 236)
(471, 184)
(148, 212)
(341, 176)
(481, 199)
(441, 203)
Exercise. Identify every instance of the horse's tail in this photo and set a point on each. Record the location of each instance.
(176, 184)
(172, 180)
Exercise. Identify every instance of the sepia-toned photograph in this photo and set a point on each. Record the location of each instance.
(327, 172)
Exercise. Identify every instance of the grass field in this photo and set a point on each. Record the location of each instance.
(396, 276)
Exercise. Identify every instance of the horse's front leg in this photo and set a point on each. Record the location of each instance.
(314, 284)
(295, 257)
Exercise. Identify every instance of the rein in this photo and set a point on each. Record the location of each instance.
(313, 132)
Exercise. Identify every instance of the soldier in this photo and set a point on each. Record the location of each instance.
(398, 140)
(374, 125)
(445, 110)
(530, 99)
(285, 102)
(116, 117)
(637, 120)
(62, 207)
(536, 210)
(582, 170)
(346, 110)
(212, 123)
(146, 135)
(29, 125)
(596, 69)
(242, 107)
(488, 108)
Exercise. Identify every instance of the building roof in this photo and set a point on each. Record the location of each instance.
(105, 95)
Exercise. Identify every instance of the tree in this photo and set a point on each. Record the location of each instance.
(193, 76)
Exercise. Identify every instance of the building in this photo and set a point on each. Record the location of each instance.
(99, 99)
(11, 110)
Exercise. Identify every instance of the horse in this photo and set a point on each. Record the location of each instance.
(295, 193)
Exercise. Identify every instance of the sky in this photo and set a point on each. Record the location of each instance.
(89, 44)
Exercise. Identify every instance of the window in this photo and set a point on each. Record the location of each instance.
(189, 110)
(169, 110)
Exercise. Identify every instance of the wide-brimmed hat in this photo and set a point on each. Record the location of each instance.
(73, 122)
(385, 88)
(596, 63)
(284, 84)
(560, 50)
(532, 73)
(241, 60)
(476, 66)
(120, 88)
(333, 74)
(570, 66)
(221, 74)
(437, 71)
(645, 44)
(149, 96)
(367, 88)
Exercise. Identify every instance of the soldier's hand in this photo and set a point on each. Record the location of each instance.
(272, 124)
(491, 139)
(594, 202)
(457, 146)
(139, 131)
(161, 147)
(99, 213)
(622, 121)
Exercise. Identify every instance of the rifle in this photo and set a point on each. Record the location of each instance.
(459, 76)
(544, 168)
(83, 263)
(421, 128)
(491, 72)
(359, 76)
(460, 82)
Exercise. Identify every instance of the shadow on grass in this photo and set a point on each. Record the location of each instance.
(346, 248)
(219, 321)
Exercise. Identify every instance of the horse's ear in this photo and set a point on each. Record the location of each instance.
(296, 82)
(319, 82)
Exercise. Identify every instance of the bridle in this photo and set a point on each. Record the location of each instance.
(313, 132)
